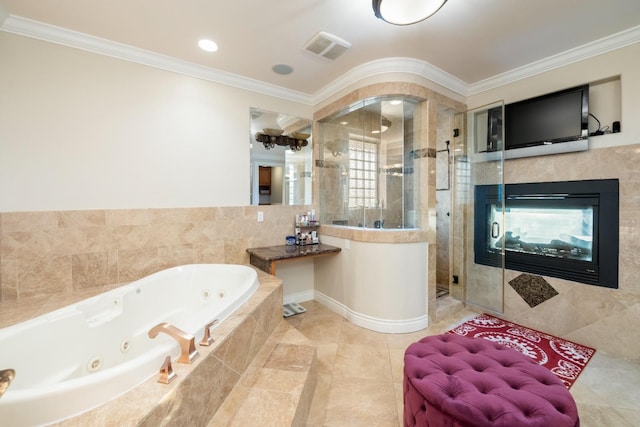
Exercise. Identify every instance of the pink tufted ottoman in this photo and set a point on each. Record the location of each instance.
(456, 381)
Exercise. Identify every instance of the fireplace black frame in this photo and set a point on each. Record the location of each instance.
(602, 195)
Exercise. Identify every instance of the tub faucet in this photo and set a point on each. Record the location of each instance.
(188, 351)
(6, 377)
(207, 339)
(167, 373)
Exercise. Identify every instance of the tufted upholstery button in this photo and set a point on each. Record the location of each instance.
(458, 381)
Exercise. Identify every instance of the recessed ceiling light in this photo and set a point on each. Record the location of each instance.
(282, 69)
(208, 45)
(396, 102)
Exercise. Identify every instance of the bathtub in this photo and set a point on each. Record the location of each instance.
(78, 357)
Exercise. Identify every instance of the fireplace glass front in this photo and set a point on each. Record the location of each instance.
(566, 229)
(553, 232)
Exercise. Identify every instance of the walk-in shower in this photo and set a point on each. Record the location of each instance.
(366, 161)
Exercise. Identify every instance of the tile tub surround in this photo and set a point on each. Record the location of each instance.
(200, 388)
(51, 254)
(277, 389)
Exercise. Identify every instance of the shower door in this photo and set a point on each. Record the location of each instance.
(478, 160)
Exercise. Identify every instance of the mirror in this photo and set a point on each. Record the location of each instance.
(280, 175)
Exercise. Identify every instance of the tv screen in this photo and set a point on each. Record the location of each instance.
(557, 117)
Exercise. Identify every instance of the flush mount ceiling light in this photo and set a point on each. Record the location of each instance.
(406, 12)
(208, 45)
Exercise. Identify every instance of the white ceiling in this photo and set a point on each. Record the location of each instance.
(467, 41)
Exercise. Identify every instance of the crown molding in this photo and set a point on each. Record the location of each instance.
(392, 65)
(589, 50)
(49, 33)
(62, 36)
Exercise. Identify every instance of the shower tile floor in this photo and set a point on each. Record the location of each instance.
(360, 375)
(442, 291)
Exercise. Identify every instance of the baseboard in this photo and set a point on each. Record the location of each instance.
(298, 297)
(372, 323)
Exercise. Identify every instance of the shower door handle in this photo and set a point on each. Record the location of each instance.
(495, 230)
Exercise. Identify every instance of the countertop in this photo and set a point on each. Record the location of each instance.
(265, 257)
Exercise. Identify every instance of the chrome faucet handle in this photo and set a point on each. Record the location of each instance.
(166, 372)
(6, 378)
(206, 338)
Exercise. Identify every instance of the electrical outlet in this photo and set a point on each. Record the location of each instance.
(260, 216)
(347, 244)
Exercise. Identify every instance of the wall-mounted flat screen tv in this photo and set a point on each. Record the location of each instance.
(554, 123)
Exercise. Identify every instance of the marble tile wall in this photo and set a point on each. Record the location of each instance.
(43, 254)
(603, 318)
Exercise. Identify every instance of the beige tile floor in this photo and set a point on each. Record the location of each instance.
(360, 375)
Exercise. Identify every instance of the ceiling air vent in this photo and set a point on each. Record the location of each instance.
(327, 45)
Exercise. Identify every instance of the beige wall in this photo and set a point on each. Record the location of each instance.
(607, 319)
(49, 254)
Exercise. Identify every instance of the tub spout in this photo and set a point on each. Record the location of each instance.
(6, 377)
(188, 351)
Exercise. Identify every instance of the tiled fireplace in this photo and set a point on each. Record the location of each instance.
(568, 230)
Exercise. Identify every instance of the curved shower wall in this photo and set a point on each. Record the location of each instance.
(383, 216)
(379, 280)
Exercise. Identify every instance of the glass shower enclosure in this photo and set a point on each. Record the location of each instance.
(367, 175)
(478, 160)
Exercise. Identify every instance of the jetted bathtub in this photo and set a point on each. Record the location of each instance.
(78, 357)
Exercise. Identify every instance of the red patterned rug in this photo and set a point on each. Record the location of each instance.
(564, 358)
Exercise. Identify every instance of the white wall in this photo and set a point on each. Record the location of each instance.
(379, 286)
(84, 131)
(297, 279)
